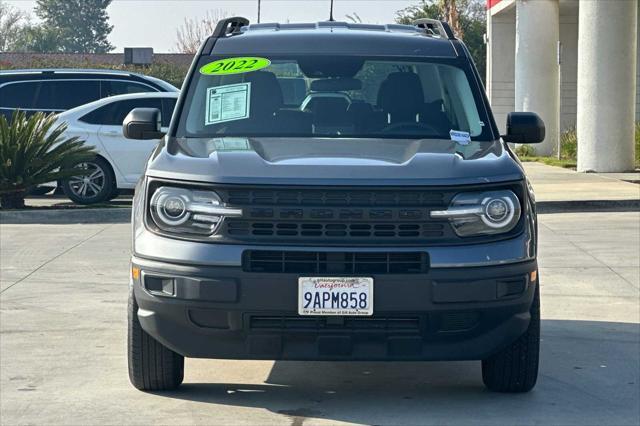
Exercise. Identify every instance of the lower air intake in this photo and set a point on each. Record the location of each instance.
(302, 262)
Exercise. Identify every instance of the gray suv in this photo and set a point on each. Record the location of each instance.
(334, 191)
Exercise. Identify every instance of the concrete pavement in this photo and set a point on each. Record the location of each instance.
(63, 359)
(558, 184)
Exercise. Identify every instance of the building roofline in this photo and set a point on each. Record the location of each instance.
(496, 6)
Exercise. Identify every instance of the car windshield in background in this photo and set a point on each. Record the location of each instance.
(338, 96)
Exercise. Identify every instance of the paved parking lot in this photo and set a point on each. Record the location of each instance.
(63, 323)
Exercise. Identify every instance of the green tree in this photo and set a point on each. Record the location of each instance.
(38, 38)
(76, 26)
(12, 21)
(471, 25)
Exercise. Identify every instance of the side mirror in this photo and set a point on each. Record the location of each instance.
(524, 127)
(143, 124)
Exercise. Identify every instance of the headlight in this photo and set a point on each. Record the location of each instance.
(482, 213)
(187, 211)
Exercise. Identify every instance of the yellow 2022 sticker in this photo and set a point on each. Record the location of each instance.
(234, 66)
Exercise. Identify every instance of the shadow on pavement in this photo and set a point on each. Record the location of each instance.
(589, 375)
(62, 202)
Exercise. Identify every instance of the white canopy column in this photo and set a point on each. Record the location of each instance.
(537, 69)
(607, 45)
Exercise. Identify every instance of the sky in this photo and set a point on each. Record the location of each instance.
(153, 23)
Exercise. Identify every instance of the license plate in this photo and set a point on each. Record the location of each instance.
(335, 296)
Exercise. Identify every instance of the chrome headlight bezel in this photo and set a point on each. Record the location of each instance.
(185, 211)
(474, 214)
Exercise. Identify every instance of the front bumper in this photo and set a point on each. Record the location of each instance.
(444, 314)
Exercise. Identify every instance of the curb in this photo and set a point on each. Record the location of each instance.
(588, 206)
(123, 214)
(67, 216)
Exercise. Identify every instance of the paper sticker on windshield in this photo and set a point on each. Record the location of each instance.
(463, 138)
(227, 103)
(234, 66)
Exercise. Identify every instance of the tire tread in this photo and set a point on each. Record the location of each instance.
(152, 366)
(515, 368)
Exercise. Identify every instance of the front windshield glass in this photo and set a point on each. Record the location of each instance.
(339, 96)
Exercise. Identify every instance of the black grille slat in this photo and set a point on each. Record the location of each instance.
(319, 197)
(458, 321)
(333, 230)
(301, 262)
(349, 324)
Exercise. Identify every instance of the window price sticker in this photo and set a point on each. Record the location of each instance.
(227, 103)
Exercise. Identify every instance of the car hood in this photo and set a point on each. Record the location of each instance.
(333, 161)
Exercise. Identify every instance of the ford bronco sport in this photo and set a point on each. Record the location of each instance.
(334, 191)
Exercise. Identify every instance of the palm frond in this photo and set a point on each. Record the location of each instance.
(34, 150)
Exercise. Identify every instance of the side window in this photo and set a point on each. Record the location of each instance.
(168, 105)
(114, 87)
(19, 94)
(99, 116)
(114, 113)
(66, 94)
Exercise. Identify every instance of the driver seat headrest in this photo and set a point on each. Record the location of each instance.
(401, 97)
(266, 93)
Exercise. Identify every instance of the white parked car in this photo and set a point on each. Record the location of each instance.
(120, 162)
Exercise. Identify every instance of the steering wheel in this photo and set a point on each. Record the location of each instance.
(413, 127)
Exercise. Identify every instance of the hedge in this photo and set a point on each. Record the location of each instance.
(170, 72)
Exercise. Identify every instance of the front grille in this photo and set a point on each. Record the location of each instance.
(392, 216)
(344, 216)
(311, 262)
(333, 324)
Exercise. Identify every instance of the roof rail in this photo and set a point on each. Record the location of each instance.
(436, 27)
(70, 71)
(229, 26)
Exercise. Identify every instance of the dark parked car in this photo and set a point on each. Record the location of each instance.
(57, 90)
(381, 216)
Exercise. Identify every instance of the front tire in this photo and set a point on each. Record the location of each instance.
(152, 366)
(114, 193)
(95, 186)
(515, 368)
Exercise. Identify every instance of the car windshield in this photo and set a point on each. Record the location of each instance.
(338, 96)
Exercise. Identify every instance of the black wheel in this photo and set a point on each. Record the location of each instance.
(152, 366)
(95, 185)
(515, 368)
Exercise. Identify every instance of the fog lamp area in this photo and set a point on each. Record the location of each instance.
(482, 213)
(179, 210)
